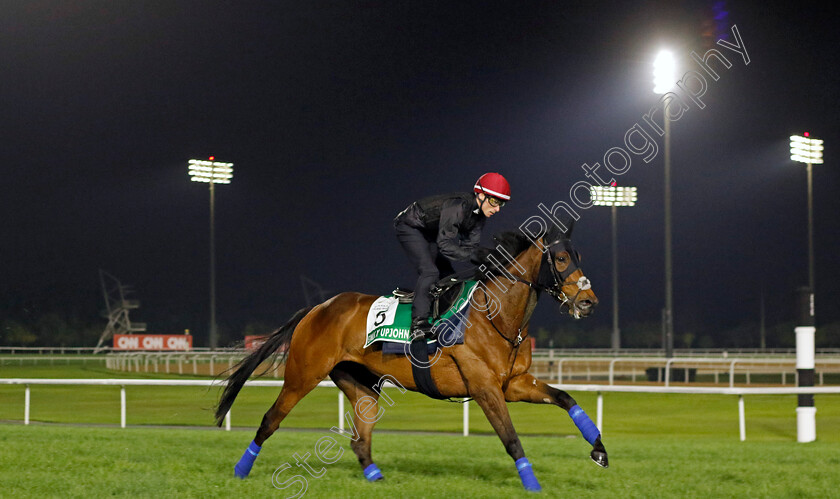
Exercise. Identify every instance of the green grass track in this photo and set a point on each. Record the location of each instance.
(66, 461)
(659, 445)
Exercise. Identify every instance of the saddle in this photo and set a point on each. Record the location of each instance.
(444, 293)
(389, 317)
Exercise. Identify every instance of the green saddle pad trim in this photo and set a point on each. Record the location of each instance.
(400, 329)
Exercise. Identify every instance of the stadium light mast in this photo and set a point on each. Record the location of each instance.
(614, 197)
(664, 78)
(211, 172)
(805, 149)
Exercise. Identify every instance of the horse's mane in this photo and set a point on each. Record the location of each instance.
(511, 242)
(514, 243)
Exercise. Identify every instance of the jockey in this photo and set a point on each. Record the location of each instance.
(439, 229)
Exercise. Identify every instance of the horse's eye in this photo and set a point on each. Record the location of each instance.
(561, 259)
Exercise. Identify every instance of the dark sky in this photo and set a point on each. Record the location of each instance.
(337, 114)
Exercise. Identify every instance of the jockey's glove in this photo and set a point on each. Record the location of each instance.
(479, 255)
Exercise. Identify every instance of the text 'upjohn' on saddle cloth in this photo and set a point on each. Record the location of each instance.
(390, 321)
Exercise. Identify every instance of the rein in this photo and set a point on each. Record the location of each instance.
(514, 343)
(555, 290)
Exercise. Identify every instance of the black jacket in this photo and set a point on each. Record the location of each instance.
(453, 221)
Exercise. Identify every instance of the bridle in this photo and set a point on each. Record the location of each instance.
(555, 288)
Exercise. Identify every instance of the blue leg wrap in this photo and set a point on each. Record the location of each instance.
(587, 428)
(243, 467)
(372, 473)
(526, 474)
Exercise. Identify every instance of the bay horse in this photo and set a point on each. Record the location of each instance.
(491, 366)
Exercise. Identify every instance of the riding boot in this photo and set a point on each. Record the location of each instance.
(422, 328)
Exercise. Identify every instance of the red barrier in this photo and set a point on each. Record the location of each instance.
(253, 342)
(181, 342)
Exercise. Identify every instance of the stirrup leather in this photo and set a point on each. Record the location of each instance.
(404, 295)
(422, 326)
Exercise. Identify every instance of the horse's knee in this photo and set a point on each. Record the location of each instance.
(564, 400)
(527, 388)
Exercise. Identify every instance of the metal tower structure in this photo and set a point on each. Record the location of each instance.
(312, 291)
(116, 309)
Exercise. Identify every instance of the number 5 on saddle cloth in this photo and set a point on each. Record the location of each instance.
(389, 318)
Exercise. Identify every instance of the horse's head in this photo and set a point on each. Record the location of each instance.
(561, 276)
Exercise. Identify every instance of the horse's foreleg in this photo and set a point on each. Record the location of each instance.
(358, 384)
(492, 402)
(526, 388)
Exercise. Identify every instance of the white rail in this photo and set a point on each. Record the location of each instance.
(599, 389)
(759, 365)
(552, 352)
(53, 359)
(561, 369)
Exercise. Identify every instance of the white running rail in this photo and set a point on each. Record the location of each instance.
(599, 389)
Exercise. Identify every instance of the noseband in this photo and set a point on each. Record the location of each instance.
(555, 289)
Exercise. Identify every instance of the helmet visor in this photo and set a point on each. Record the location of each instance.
(495, 202)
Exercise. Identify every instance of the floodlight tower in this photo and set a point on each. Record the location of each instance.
(614, 197)
(211, 172)
(805, 149)
(664, 77)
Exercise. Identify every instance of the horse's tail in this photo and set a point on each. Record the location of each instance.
(277, 340)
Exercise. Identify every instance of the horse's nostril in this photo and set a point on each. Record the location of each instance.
(585, 303)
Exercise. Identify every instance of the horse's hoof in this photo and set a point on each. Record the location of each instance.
(600, 458)
(373, 474)
(526, 474)
(242, 470)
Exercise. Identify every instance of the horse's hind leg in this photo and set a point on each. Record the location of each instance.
(289, 396)
(360, 385)
(297, 384)
(526, 388)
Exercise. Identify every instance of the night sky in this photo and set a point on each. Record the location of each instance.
(337, 114)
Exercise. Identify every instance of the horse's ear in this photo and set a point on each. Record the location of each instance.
(556, 230)
(570, 224)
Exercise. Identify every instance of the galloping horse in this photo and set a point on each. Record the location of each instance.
(491, 366)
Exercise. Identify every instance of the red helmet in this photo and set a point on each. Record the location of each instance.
(493, 184)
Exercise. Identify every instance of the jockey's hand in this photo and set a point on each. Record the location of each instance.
(479, 255)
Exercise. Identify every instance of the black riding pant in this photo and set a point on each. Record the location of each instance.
(429, 263)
